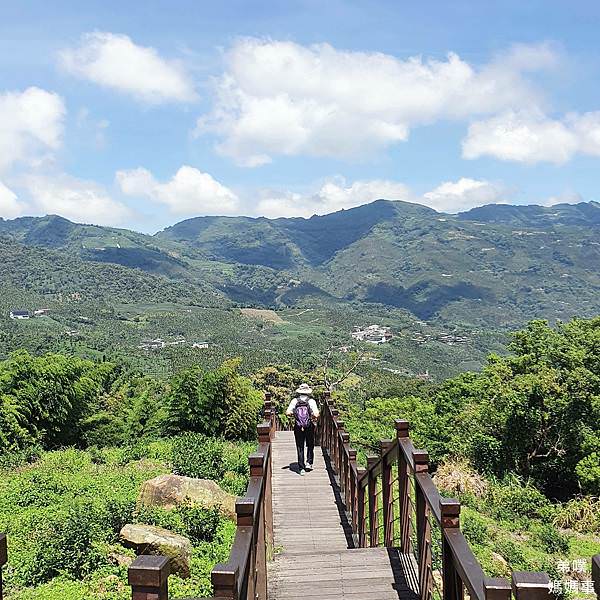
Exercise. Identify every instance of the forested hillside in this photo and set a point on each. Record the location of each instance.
(496, 264)
(57, 274)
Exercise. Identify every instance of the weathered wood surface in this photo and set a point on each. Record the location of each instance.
(315, 554)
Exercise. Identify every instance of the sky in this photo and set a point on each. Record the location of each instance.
(142, 114)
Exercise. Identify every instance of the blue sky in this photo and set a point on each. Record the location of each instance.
(142, 114)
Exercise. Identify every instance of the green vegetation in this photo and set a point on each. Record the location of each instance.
(500, 440)
(63, 515)
(492, 267)
(64, 508)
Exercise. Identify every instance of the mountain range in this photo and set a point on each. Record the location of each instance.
(497, 265)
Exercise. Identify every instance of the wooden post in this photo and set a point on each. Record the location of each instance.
(372, 489)
(453, 586)
(244, 510)
(3, 557)
(322, 424)
(421, 462)
(345, 466)
(268, 408)
(148, 577)
(387, 495)
(402, 429)
(596, 573)
(361, 516)
(531, 586)
(224, 582)
(264, 433)
(339, 451)
(496, 589)
(353, 485)
(263, 541)
(332, 437)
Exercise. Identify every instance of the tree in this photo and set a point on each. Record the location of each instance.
(44, 399)
(537, 411)
(219, 402)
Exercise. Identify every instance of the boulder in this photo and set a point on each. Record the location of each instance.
(169, 491)
(148, 539)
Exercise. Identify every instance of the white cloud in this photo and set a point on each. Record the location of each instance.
(31, 123)
(464, 194)
(10, 207)
(587, 129)
(568, 197)
(284, 98)
(332, 196)
(114, 61)
(336, 194)
(522, 138)
(189, 191)
(75, 199)
(530, 137)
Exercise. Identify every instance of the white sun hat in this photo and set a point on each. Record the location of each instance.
(304, 389)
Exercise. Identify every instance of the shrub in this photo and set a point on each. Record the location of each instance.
(197, 523)
(588, 472)
(580, 514)
(216, 403)
(552, 540)
(119, 512)
(200, 523)
(474, 529)
(18, 458)
(70, 546)
(197, 455)
(511, 499)
(513, 554)
(459, 479)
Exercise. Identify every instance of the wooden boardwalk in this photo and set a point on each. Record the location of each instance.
(315, 554)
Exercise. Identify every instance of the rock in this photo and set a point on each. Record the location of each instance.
(148, 539)
(168, 491)
(121, 560)
(501, 562)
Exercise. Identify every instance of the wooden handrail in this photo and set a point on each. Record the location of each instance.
(244, 575)
(418, 506)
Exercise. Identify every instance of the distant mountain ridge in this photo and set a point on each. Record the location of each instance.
(583, 213)
(499, 264)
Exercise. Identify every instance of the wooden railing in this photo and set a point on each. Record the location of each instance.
(244, 576)
(394, 503)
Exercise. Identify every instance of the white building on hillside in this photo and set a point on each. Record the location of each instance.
(19, 314)
(374, 334)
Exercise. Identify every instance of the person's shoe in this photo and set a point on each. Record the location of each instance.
(302, 471)
(309, 467)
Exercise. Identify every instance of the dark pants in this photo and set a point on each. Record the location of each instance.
(307, 436)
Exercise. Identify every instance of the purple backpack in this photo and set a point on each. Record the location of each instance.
(303, 414)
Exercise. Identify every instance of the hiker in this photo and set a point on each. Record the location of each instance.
(305, 412)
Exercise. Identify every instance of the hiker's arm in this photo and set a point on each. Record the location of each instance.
(290, 409)
(314, 408)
